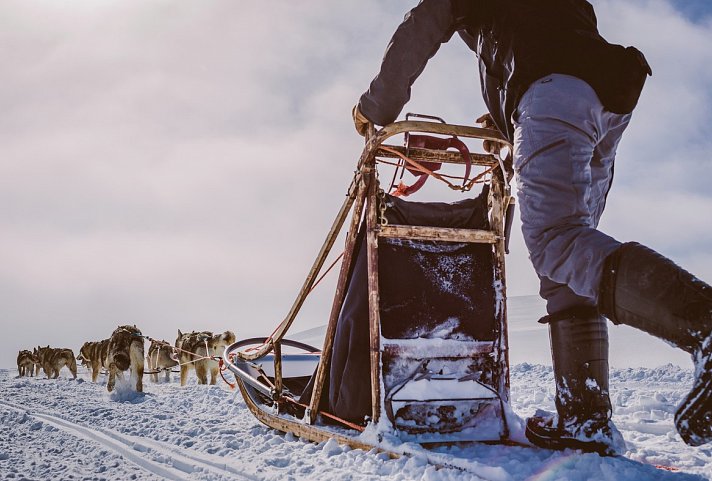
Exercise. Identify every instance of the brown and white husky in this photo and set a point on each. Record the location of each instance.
(124, 352)
(26, 361)
(53, 359)
(160, 358)
(195, 350)
(93, 354)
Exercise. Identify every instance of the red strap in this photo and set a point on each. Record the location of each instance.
(430, 142)
(406, 190)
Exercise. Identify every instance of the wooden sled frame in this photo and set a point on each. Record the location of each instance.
(362, 200)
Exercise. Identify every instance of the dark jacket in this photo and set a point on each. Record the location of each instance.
(516, 42)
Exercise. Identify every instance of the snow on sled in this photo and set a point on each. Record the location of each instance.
(416, 340)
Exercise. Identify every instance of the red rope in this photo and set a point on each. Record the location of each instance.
(223, 368)
(198, 356)
(325, 273)
(295, 402)
(414, 165)
(329, 415)
(270, 337)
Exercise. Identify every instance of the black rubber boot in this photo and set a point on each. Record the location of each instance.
(642, 289)
(579, 346)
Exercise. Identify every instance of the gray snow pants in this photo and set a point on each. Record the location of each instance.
(564, 149)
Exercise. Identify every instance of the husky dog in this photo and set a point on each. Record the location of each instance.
(53, 359)
(195, 348)
(124, 351)
(26, 362)
(93, 355)
(160, 359)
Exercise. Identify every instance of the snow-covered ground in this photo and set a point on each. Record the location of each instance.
(66, 429)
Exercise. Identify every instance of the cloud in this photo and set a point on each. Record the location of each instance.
(661, 191)
(178, 164)
(667, 142)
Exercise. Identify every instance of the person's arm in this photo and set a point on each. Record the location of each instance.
(415, 41)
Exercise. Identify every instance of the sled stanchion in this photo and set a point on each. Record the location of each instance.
(501, 198)
(339, 296)
(277, 349)
(372, 226)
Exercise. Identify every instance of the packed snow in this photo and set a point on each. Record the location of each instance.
(74, 429)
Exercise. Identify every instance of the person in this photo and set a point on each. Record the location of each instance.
(563, 96)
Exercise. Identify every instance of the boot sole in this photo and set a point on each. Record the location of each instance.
(693, 419)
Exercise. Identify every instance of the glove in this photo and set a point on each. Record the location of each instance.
(360, 121)
(486, 122)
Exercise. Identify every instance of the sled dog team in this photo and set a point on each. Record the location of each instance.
(124, 351)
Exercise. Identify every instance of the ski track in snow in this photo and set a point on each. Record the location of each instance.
(74, 430)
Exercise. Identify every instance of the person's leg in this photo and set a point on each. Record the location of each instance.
(642, 289)
(558, 125)
(564, 152)
(560, 297)
(579, 346)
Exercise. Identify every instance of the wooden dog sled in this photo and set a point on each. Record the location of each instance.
(420, 300)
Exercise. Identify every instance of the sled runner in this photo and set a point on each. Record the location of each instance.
(416, 340)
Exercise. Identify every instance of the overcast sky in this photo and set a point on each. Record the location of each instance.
(178, 164)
